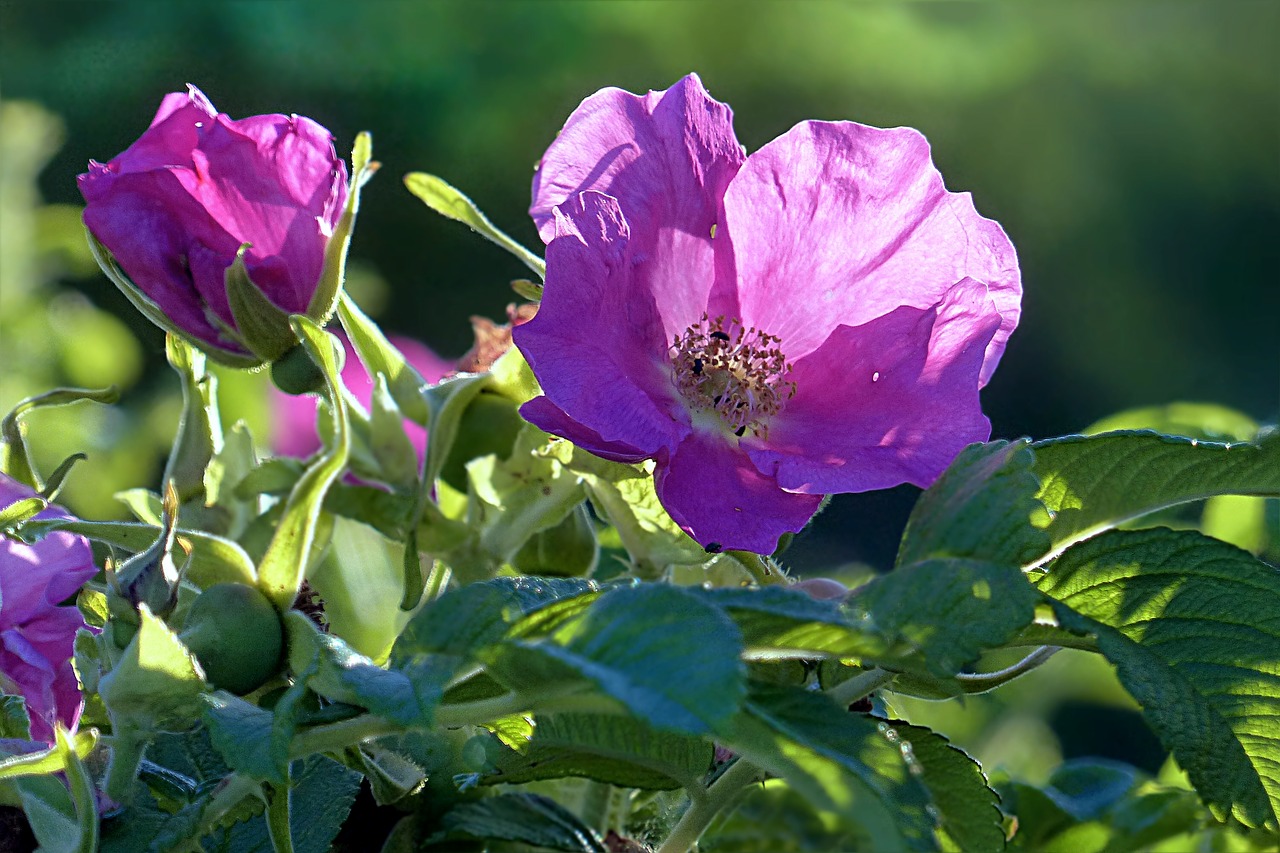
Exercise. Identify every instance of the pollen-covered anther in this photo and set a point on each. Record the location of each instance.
(738, 373)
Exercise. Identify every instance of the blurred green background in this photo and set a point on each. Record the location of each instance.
(1131, 151)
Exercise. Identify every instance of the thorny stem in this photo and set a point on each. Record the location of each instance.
(762, 570)
(695, 821)
(743, 773)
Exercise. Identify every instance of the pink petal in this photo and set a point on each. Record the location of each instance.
(890, 401)
(839, 223)
(597, 343)
(150, 223)
(717, 496)
(548, 417)
(667, 157)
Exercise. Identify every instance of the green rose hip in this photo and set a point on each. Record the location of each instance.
(236, 635)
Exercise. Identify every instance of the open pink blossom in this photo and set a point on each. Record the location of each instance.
(36, 634)
(815, 318)
(293, 417)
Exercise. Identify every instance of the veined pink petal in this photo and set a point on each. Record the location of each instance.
(667, 158)
(890, 401)
(715, 493)
(840, 223)
(548, 417)
(597, 342)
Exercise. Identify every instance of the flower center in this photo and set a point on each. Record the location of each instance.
(740, 374)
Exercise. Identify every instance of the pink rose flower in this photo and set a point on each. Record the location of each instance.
(37, 635)
(817, 317)
(175, 207)
(293, 418)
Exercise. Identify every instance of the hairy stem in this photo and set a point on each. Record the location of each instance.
(984, 681)
(685, 834)
(862, 684)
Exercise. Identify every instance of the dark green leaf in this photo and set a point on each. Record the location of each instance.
(781, 621)
(980, 508)
(343, 675)
(242, 734)
(967, 811)
(840, 762)
(671, 659)
(15, 722)
(613, 749)
(1092, 483)
(950, 610)
(1192, 626)
(527, 818)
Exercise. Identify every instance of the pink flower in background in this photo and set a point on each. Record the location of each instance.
(174, 208)
(36, 634)
(815, 318)
(293, 418)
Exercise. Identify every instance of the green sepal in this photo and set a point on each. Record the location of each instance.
(262, 325)
(47, 761)
(438, 195)
(156, 684)
(15, 460)
(381, 358)
(394, 452)
(325, 297)
(282, 567)
(12, 516)
(157, 315)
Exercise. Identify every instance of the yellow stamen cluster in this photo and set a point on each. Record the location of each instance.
(739, 374)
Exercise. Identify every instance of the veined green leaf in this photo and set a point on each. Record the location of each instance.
(639, 646)
(840, 762)
(344, 675)
(535, 820)
(613, 749)
(438, 195)
(980, 508)
(782, 622)
(1193, 628)
(1207, 421)
(242, 734)
(950, 610)
(1092, 483)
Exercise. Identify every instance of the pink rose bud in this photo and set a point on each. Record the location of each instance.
(170, 217)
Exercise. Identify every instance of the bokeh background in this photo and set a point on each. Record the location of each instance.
(1131, 150)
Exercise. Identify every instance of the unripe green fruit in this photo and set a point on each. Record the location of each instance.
(489, 424)
(236, 635)
(567, 550)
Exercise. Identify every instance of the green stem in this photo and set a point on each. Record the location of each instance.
(685, 834)
(862, 684)
(762, 569)
(984, 681)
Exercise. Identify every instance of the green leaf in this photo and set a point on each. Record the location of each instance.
(281, 570)
(438, 195)
(949, 610)
(638, 646)
(528, 818)
(967, 811)
(242, 734)
(397, 459)
(15, 722)
(143, 503)
(381, 358)
(774, 817)
(1093, 483)
(779, 622)
(392, 777)
(840, 762)
(156, 683)
(1206, 421)
(1192, 625)
(980, 508)
(344, 675)
(615, 750)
